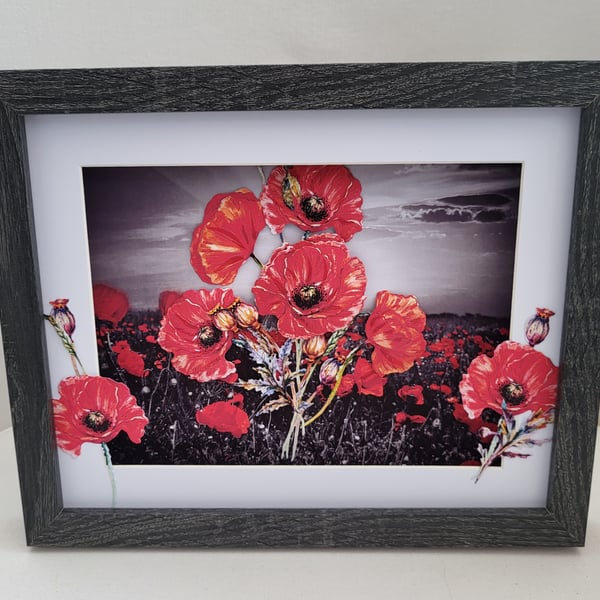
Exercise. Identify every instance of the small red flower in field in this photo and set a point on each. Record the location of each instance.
(150, 339)
(95, 409)
(453, 361)
(132, 362)
(395, 330)
(225, 239)
(314, 198)
(143, 328)
(412, 391)
(188, 331)
(225, 417)
(110, 304)
(120, 346)
(516, 377)
(445, 345)
(166, 299)
(367, 381)
(62, 315)
(312, 287)
(402, 417)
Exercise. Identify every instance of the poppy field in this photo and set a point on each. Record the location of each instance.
(314, 362)
(410, 418)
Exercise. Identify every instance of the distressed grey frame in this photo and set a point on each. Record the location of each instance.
(299, 87)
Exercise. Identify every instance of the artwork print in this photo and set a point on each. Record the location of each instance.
(305, 315)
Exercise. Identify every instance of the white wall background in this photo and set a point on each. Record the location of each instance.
(114, 33)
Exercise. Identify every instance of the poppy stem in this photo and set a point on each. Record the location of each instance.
(256, 260)
(262, 175)
(334, 389)
(111, 473)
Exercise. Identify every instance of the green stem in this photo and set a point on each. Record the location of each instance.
(256, 260)
(111, 473)
(334, 389)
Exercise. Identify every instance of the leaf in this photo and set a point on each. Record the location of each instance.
(273, 405)
(265, 388)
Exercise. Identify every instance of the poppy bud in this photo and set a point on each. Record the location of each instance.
(62, 315)
(246, 315)
(329, 371)
(538, 326)
(225, 321)
(315, 346)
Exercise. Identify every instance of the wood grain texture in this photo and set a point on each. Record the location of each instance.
(298, 87)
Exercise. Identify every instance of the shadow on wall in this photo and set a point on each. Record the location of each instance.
(4, 409)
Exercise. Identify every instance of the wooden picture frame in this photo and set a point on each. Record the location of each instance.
(297, 87)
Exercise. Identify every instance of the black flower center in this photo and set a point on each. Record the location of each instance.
(513, 393)
(96, 421)
(314, 208)
(307, 296)
(209, 335)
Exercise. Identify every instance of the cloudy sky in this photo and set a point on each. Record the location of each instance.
(445, 233)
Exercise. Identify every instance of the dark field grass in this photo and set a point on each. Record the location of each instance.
(356, 429)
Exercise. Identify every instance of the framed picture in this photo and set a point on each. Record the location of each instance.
(325, 305)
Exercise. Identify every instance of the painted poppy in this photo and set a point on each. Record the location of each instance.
(367, 380)
(395, 330)
(225, 239)
(132, 362)
(225, 416)
(314, 198)
(402, 417)
(110, 304)
(189, 332)
(166, 299)
(412, 391)
(312, 287)
(95, 409)
(516, 378)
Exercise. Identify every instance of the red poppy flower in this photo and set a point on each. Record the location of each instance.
(346, 385)
(225, 239)
(445, 389)
(110, 304)
(120, 346)
(395, 330)
(225, 417)
(516, 377)
(166, 299)
(132, 362)
(412, 391)
(312, 287)
(95, 409)
(402, 417)
(367, 381)
(314, 198)
(477, 425)
(445, 345)
(188, 331)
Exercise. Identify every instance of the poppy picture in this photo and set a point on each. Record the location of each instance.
(308, 315)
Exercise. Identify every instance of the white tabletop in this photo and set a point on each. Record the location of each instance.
(27, 573)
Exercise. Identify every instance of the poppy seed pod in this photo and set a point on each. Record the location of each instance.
(538, 326)
(246, 315)
(329, 371)
(225, 321)
(62, 315)
(315, 346)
